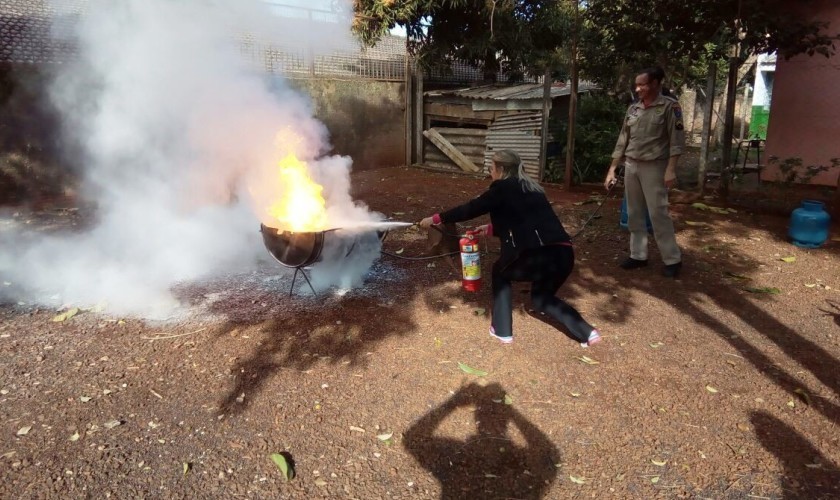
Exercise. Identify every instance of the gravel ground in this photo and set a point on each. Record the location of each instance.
(701, 388)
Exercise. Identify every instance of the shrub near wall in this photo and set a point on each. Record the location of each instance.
(365, 118)
(599, 120)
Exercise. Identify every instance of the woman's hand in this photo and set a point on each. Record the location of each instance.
(426, 223)
(481, 230)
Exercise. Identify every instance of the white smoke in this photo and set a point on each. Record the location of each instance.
(172, 121)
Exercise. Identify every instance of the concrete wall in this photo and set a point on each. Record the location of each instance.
(805, 116)
(365, 118)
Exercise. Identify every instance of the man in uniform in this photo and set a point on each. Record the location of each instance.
(650, 143)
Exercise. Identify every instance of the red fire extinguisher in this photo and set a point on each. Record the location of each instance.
(470, 262)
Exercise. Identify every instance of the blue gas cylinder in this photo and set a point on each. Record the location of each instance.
(809, 224)
(623, 220)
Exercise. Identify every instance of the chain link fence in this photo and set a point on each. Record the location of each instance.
(385, 61)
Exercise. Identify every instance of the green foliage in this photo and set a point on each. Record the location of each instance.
(598, 123)
(684, 38)
(784, 194)
(792, 172)
(517, 36)
(617, 37)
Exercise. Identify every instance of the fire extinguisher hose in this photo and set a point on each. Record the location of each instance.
(619, 180)
(428, 257)
(597, 209)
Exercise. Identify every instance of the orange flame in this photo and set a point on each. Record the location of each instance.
(295, 202)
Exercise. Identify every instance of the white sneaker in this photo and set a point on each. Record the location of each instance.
(503, 340)
(594, 338)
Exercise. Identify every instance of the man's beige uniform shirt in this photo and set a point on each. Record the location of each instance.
(652, 133)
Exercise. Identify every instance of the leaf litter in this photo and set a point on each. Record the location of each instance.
(65, 315)
(588, 360)
(470, 370)
(286, 468)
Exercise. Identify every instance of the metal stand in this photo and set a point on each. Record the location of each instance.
(746, 146)
(292, 288)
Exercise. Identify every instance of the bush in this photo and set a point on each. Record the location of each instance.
(599, 120)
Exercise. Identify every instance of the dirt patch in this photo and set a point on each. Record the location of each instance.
(701, 389)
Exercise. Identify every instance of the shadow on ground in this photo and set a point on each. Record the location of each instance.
(807, 472)
(708, 285)
(505, 456)
(301, 330)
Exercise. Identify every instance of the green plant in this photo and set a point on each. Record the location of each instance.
(599, 120)
(792, 172)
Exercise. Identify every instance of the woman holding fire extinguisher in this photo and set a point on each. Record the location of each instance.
(535, 246)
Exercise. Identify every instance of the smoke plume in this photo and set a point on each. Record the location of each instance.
(173, 121)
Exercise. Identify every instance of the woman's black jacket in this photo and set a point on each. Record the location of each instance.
(521, 219)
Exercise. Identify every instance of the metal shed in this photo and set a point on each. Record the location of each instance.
(464, 127)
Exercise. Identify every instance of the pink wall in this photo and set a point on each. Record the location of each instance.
(805, 105)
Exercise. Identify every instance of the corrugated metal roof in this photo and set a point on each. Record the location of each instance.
(507, 92)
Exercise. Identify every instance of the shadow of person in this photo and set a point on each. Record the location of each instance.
(505, 457)
(807, 472)
(835, 313)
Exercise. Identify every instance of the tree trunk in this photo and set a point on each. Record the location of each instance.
(546, 113)
(570, 140)
(573, 99)
(419, 118)
(744, 109)
(409, 108)
(491, 66)
(729, 122)
(708, 111)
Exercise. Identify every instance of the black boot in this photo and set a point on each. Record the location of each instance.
(631, 263)
(672, 270)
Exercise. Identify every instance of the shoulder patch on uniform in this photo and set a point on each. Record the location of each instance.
(677, 111)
